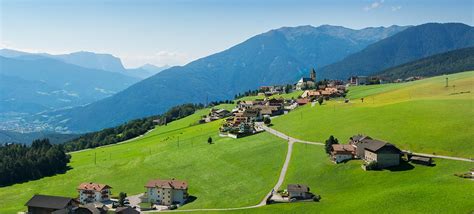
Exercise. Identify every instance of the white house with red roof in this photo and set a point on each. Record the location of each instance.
(93, 192)
(166, 192)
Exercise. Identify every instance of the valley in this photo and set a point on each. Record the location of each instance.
(238, 173)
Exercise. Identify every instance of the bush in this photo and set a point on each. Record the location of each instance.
(267, 120)
(371, 166)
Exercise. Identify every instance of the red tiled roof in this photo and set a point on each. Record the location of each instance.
(93, 186)
(169, 184)
(342, 148)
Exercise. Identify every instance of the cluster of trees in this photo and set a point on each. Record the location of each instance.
(329, 142)
(130, 129)
(247, 93)
(19, 163)
(445, 63)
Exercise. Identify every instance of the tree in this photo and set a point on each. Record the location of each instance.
(121, 199)
(267, 120)
(320, 100)
(209, 140)
(329, 142)
(288, 88)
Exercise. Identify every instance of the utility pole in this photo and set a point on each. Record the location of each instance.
(446, 82)
(95, 158)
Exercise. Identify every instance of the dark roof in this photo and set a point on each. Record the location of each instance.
(360, 137)
(421, 158)
(48, 201)
(377, 145)
(126, 210)
(307, 79)
(297, 188)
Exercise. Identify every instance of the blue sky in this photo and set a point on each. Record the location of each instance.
(178, 31)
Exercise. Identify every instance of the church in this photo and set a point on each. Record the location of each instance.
(305, 82)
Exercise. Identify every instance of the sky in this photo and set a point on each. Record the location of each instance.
(176, 32)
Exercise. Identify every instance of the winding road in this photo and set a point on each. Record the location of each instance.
(291, 141)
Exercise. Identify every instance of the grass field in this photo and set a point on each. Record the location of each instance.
(422, 116)
(228, 173)
(347, 188)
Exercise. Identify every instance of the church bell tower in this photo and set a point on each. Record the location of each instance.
(312, 75)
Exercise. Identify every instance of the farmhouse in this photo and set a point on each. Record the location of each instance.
(342, 152)
(45, 204)
(299, 191)
(382, 153)
(311, 94)
(359, 142)
(215, 114)
(166, 192)
(305, 83)
(93, 192)
(358, 80)
(302, 101)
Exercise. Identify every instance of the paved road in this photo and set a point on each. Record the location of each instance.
(282, 135)
(442, 156)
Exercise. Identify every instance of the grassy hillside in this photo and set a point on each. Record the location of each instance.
(423, 116)
(346, 187)
(247, 168)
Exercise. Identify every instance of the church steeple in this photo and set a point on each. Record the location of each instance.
(312, 75)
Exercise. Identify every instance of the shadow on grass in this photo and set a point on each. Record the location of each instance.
(61, 171)
(404, 166)
(190, 199)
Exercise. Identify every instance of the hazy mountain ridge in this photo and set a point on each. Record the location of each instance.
(411, 44)
(276, 57)
(51, 83)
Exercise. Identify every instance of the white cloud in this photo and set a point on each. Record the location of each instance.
(396, 8)
(160, 58)
(374, 5)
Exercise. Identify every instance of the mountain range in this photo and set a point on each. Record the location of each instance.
(411, 44)
(34, 83)
(276, 57)
(279, 56)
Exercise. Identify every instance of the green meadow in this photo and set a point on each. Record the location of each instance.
(347, 188)
(421, 116)
(227, 173)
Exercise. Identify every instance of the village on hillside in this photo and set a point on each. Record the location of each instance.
(248, 117)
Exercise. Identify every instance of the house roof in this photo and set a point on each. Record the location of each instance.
(302, 101)
(48, 201)
(306, 79)
(376, 145)
(421, 158)
(297, 188)
(168, 184)
(342, 148)
(126, 210)
(360, 137)
(93, 186)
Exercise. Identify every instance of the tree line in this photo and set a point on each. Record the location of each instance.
(19, 163)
